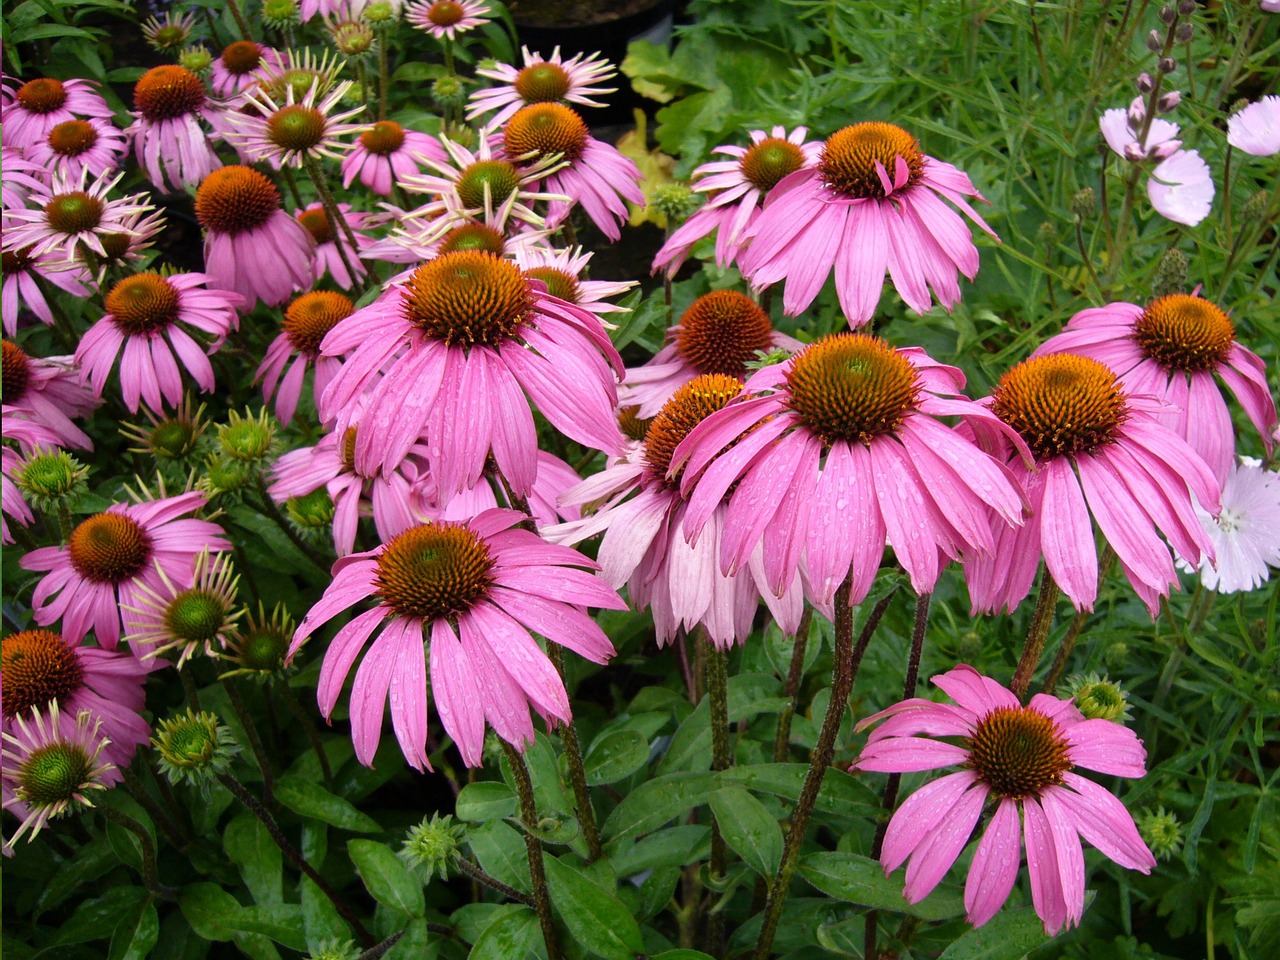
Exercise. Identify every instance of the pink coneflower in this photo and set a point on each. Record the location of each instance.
(594, 174)
(873, 202)
(42, 667)
(236, 68)
(170, 33)
(446, 18)
(69, 212)
(1256, 128)
(737, 188)
(387, 495)
(479, 335)
(251, 246)
(310, 8)
(306, 322)
(385, 153)
(190, 615)
(293, 130)
(40, 105)
(127, 246)
(1023, 758)
(327, 236)
(471, 592)
(540, 80)
(1246, 534)
(554, 478)
(50, 766)
(843, 454)
(1181, 188)
(1171, 349)
(720, 332)
(423, 235)
(148, 327)
(644, 544)
(21, 267)
(171, 145)
(46, 391)
(1099, 449)
(95, 145)
(109, 558)
(21, 177)
(12, 505)
(561, 271)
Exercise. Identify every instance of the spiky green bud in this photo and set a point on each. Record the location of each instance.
(429, 848)
(194, 747)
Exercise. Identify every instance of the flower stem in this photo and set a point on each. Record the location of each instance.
(241, 793)
(537, 872)
(1073, 631)
(166, 823)
(255, 742)
(795, 674)
(577, 773)
(148, 866)
(313, 735)
(845, 670)
(334, 213)
(1041, 621)
(718, 701)
(383, 75)
(890, 797)
(245, 32)
(475, 873)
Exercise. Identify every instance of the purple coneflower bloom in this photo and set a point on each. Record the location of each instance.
(191, 615)
(306, 322)
(1099, 451)
(21, 176)
(148, 326)
(327, 235)
(95, 145)
(290, 133)
(236, 68)
(446, 18)
(72, 211)
(465, 595)
(843, 453)
(387, 152)
(873, 203)
(540, 80)
(21, 267)
(561, 271)
(1171, 349)
(46, 391)
(737, 188)
(1023, 758)
(172, 147)
(40, 105)
(110, 556)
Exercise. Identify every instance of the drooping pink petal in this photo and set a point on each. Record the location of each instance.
(995, 865)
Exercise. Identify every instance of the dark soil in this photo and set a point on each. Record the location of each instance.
(572, 13)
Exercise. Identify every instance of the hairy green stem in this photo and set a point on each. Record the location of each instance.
(475, 873)
(718, 702)
(577, 772)
(795, 676)
(1033, 648)
(336, 218)
(1073, 631)
(255, 742)
(533, 847)
(313, 735)
(148, 850)
(238, 16)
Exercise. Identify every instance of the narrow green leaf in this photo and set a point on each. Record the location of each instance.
(858, 879)
(386, 878)
(748, 829)
(597, 920)
(313, 800)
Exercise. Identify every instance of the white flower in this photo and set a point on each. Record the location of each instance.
(1181, 188)
(1256, 128)
(1246, 535)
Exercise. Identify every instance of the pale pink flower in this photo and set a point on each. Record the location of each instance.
(72, 211)
(1256, 128)
(720, 332)
(42, 667)
(40, 105)
(1172, 349)
(1122, 128)
(190, 616)
(327, 236)
(423, 235)
(644, 545)
(289, 131)
(170, 143)
(21, 267)
(237, 67)
(842, 454)
(1023, 759)
(310, 8)
(80, 744)
(1100, 455)
(737, 188)
(873, 203)
(462, 341)
(385, 153)
(251, 246)
(540, 80)
(95, 145)
(561, 271)
(590, 173)
(46, 391)
(446, 18)
(465, 595)
(1181, 188)
(110, 556)
(306, 322)
(1246, 534)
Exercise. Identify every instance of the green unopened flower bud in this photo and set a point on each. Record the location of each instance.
(194, 747)
(768, 358)
(168, 33)
(379, 14)
(336, 950)
(352, 38)
(968, 645)
(259, 648)
(226, 477)
(1047, 234)
(1171, 274)
(248, 438)
(168, 439)
(278, 14)
(1161, 831)
(50, 480)
(1083, 205)
(1255, 207)
(1116, 655)
(1099, 698)
(675, 200)
(196, 58)
(312, 511)
(52, 767)
(448, 92)
(429, 848)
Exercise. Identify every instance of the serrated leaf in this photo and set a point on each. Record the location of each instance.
(748, 829)
(597, 920)
(615, 756)
(859, 879)
(313, 800)
(386, 878)
(484, 801)
(1009, 935)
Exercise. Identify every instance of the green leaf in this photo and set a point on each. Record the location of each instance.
(312, 800)
(646, 314)
(250, 847)
(386, 878)
(91, 861)
(512, 936)
(615, 756)
(486, 800)
(320, 918)
(841, 794)
(681, 954)
(502, 853)
(1009, 935)
(135, 934)
(858, 879)
(209, 910)
(748, 829)
(415, 944)
(597, 920)
(96, 919)
(654, 802)
(669, 847)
